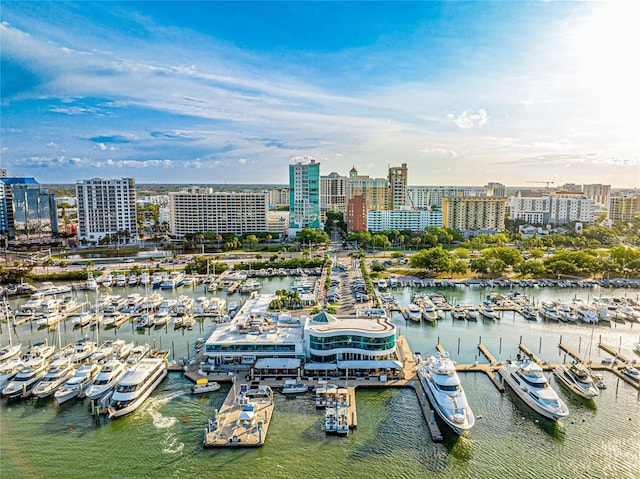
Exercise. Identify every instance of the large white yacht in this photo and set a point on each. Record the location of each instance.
(106, 379)
(414, 313)
(136, 386)
(440, 381)
(525, 377)
(577, 378)
(23, 382)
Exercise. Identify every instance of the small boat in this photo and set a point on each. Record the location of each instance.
(414, 313)
(429, 313)
(91, 283)
(458, 313)
(529, 314)
(294, 387)
(75, 386)
(487, 311)
(382, 284)
(203, 385)
(630, 371)
(548, 311)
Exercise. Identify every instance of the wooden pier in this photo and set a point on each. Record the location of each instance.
(525, 349)
(427, 412)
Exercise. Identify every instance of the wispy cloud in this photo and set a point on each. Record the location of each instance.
(469, 120)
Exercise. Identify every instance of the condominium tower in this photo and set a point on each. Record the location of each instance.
(304, 195)
(107, 207)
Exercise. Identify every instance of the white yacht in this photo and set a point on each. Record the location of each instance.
(60, 371)
(586, 314)
(200, 305)
(91, 283)
(38, 353)
(75, 386)
(429, 313)
(632, 372)
(487, 311)
(548, 311)
(9, 369)
(525, 377)
(10, 351)
(291, 386)
(440, 381)
(136, 385)
(203, 385)
(24, 381)
(106, 379)
(83, 348)
(133, 302)
(577, 378)
(414, 313)
(137, 353)
(382, 284)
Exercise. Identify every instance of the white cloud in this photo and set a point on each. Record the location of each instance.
(468, 120)
(242, 161)
(439, 152)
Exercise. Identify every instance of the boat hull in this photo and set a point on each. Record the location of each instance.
(113, 412)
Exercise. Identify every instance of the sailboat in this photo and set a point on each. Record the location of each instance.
(11, 350)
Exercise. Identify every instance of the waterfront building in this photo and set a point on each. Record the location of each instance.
(411, 219)
(349, 344)
(279, 197)
(495, 189)
(623, 207)
(473, 215)
(278, 223)
(252, 335)
(429, 196)
(304, 195)
(597, 192)
(201, 210)
(398, 182)
(27, 210)
(107, 207)
(333, 194)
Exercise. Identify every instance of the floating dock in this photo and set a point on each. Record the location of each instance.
(243, 419)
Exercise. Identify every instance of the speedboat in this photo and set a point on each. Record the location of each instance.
(9, 369)
(136, 385)
(137, 353)
(632, 372)
(414, 313)
(91, 283)
(487, 311)
(429, 313)
(75, 386)
(24, 381)
(577, 378)
(203, 385)
(38, 353)
(106, 379)
(548, 311)
(10, 351)
(60, 371)
(529, 314)
(442, 385)
(526, 379)
(458, 313)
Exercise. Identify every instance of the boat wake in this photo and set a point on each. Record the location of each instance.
(159, 420)
(173, 445)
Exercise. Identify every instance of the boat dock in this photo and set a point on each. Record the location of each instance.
(243, 419)
(525, 349)
(427, 412)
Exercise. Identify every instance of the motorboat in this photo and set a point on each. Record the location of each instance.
(10, 351)
(121, 280)
(60, 371)
(442, 385)
(529, 314)
(24, 381)
(630, 371)
(458, 313)
(38, 353)
(83, 319)
(566, 313)
(183, 306)
(471, 313)
(429, 313)
(585, 313)
(487, 311)
(151, 303)
(107, 280)
(294, 387)
(133, 303)
(144, 321)
(200, 305)
(83, 348)
(75, 386)
(161, 320)
(203, 385)
(382, 284)
(9, 369)
(91, 283)
(548, 311)
(106, 379)
(414, 313)
(527, 380)
(172, 280)
(136, 385)
(137, 353)
(49, 320)
(577, 378)
(115, 320)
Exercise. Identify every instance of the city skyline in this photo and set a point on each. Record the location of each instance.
(464, 93)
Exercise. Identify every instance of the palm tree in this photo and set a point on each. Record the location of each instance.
(46, 263)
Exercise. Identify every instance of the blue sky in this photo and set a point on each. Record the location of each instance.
(215, 92)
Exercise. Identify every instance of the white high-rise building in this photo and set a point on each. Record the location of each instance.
(202, 210)
(107, 208)
(333, 194)
(407, 219)
(428, 196)
(554, 209)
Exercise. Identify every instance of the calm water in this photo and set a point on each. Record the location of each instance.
(163, 438)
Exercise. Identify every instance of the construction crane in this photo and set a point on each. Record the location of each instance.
(547, 183)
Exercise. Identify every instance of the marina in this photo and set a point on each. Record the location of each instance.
(475, 350)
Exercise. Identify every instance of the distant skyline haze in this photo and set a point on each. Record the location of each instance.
(211, 92)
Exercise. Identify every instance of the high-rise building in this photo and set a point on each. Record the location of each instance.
(366, 194)
(431, 196)
(473, 215)
(3, 173)
(202, 210)
(356, 214)
(495, 189)
(27, 210)
(107, 207)
(333, 194)
(571, 187)
(279, 196)
(398, 182)
(597, 192)
(623, 207)
(304, 196)
(553, 209)
(410, 219)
